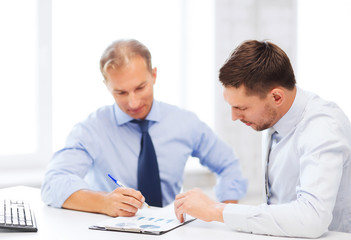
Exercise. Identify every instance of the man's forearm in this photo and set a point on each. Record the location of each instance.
(230, 201)
(85, 200)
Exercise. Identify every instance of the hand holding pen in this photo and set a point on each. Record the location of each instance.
(119, 184)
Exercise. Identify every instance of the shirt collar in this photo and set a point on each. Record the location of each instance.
(122, 117)
(294, 114)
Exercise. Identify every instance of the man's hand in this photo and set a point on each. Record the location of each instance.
(120, 202)
(198, 205)
(123, 202)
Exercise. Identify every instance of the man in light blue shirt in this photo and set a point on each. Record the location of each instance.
(108, 142)
(307, 153)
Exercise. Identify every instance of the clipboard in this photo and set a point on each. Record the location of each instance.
(153, 220)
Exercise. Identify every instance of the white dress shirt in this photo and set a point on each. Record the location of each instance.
(309, 174)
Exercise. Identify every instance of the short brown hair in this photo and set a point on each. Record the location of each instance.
(120, 52)
(259, 66)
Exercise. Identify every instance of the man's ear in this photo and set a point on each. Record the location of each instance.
(278, 96)
(154, 74)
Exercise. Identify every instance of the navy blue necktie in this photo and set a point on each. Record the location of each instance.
(149, 183)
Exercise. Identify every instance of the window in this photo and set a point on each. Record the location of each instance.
(18, 78)
(23, 139)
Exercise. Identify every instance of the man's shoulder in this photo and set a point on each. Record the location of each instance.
(101, 115)
(322, 116)
(182, 121)
(319, 107)
(170, 109)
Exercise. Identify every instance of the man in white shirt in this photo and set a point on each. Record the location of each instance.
(308, 145)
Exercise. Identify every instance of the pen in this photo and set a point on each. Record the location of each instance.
(119, 184)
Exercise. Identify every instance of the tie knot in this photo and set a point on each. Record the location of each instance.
(271, 131)
(276, 137)
(143, 124)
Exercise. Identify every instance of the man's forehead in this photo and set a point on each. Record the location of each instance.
(234, 92)
(237, 97)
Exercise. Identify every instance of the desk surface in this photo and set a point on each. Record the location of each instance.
(65, 224)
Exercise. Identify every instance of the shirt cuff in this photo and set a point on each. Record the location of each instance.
(235, 217)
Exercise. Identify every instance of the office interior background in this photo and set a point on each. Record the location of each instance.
(50, 79)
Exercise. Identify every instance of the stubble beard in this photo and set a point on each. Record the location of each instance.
(268, 119)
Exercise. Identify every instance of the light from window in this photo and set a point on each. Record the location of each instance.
(18, 84)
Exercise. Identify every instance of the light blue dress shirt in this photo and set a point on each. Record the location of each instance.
(309, 174)
(108, 143)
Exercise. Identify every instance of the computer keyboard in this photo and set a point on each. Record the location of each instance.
(17, 216)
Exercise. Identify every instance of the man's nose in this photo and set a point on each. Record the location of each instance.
(236, 115)
(133, 100)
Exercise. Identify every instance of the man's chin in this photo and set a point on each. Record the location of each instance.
(137, 115)
(254, 127)
(261, 129)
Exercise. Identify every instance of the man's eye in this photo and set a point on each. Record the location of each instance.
(240, 108)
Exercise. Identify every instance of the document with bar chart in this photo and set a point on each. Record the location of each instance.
(151, 220)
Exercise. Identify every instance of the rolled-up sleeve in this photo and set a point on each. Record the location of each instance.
(66, 171)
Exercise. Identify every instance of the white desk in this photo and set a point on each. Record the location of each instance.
(66, 224)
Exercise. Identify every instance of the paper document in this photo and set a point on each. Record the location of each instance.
(151, 220)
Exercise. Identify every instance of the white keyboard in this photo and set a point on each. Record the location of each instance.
(17, 216)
